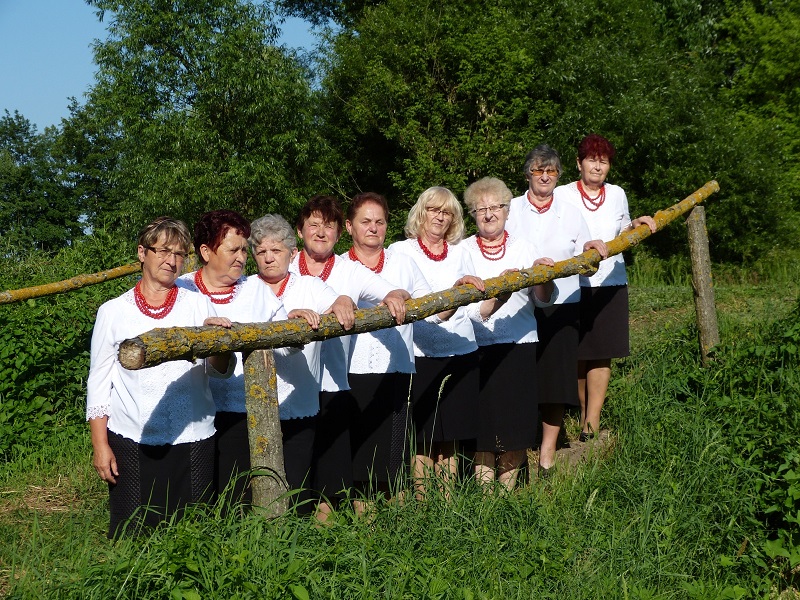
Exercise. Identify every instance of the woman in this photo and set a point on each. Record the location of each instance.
(381, 362)
(604, 295)
(505, 329)
(559, 232)
(220, 241)
(153, 429)
(445, 387)
(320, 224)
(274, 245)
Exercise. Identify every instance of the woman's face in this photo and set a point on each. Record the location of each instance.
(273, 258)
(437, 222)
(490, 217)
(542, 179)
(319, 237)
(368, 227)
(594, 170)
(161, 262)
(224, 266)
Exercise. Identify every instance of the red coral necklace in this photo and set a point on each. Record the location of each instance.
(281, 289)
(225, 296)
(431, 255)
(493, 252)
(154, 312)
(326, 270)
(376, 269)
(590, 203)
(540, 209)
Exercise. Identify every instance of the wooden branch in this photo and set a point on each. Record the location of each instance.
(160, 345)
(702, 282)
(67, 285)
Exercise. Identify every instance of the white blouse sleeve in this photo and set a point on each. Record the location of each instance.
(102, 358)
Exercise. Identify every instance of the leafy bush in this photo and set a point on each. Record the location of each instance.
(44, 342)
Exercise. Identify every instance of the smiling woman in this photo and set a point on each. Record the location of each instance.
(221, 244)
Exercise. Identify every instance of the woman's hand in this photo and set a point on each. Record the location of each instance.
(545, 260)
(598, 245)
(471, 280)
(105, 463)
(395, 301)
(219, 322)
(311, 317)
(343, 308)
(644, 220)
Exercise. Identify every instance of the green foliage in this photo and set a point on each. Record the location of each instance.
(201, 112)
(419, 94)
(44, 343)
(38, 209)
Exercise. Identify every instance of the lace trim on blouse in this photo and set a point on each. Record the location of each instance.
(96, 412)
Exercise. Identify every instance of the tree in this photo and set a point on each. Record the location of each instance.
(419, 94)
(201, 109)
(38, 208)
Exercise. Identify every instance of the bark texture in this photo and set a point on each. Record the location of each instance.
(702, 282)
(264, 432)
(67, 285)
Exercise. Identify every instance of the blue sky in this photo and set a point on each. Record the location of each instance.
(46, 56)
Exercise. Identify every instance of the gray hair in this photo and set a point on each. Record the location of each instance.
(274, 228)
(542, 156)
(487, 186)
(436, 197)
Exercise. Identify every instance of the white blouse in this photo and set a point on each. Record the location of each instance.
(389, 350)
(558, 233)
(514, 321)
(432, 337)
(357, 281)
(170, 403)
(606, 223)
(253, 302)
(299, 374)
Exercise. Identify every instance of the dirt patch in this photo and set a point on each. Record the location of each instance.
(60, 496)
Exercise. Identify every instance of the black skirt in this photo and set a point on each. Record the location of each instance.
(298, 446)
(232, 458)
(444, 395)
(507, 410)
(332, 471)
(377, 434)
(557, 354)
(156, 482)
(604, 329)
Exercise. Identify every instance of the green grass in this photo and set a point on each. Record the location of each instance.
(679, 507)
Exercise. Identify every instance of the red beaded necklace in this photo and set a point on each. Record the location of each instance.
(590, 203)
(376, 269)
(227, 294)
(154, 312)
(326, 270)
(493, 252)
(281, 289)
(431, 255)
(540, 209)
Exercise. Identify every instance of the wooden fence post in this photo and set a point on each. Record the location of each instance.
(702, 282)
(264, 433)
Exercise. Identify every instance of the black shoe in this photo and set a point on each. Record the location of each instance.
(545, 473)
(585, 436)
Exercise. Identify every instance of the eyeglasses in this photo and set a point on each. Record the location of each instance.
(539, 172)
(479, 212)
(439, 212)
(165, 253)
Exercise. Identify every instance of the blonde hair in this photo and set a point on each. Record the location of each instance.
(436, 197)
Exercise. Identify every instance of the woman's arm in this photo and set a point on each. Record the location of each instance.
(104, 461)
